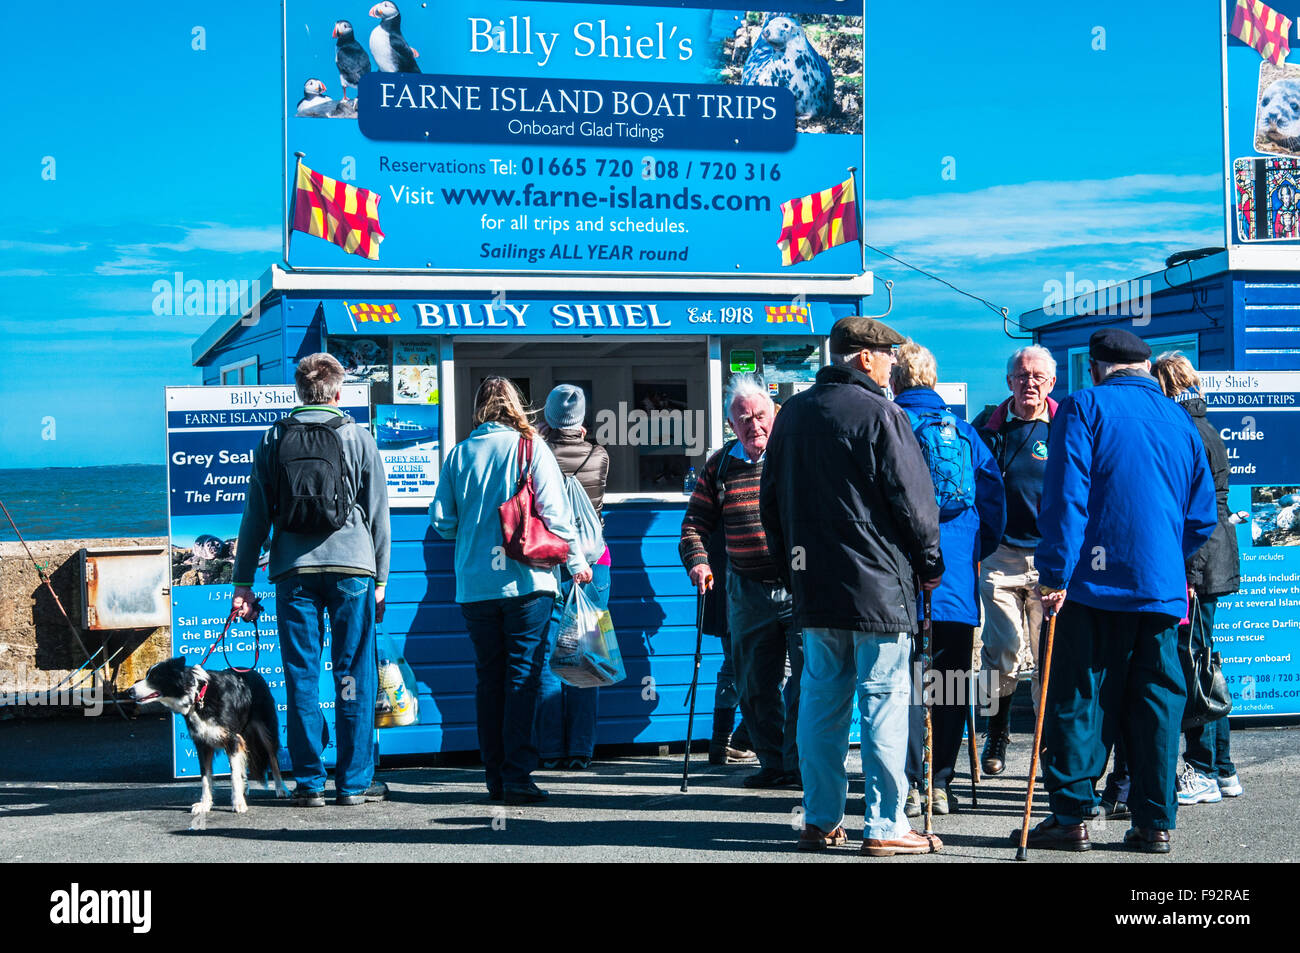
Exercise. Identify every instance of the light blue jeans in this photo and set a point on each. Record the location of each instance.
(836, 662)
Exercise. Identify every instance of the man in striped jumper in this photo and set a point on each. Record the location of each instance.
(766, 650)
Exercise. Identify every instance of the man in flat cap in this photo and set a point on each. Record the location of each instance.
(851, 518)
(1127, 497)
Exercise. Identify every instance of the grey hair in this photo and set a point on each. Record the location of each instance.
(1031, 350)
(915, 368)
(846, 358)
(318, 378)
(744, 385)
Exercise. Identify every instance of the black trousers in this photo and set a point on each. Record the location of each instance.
(1116, 676)
(950, 662)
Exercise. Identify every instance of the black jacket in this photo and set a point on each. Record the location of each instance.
(1215, 569)
(848, 506)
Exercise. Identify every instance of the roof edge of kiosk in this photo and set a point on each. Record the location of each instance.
(278, 281)
(231, 319)
(1113, 297)
(855, 285)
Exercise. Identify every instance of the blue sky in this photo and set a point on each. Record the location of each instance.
(168, 159)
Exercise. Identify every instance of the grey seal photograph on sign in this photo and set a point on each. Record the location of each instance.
(818, 57)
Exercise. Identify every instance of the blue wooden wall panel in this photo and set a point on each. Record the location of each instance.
(651, 602)
(1267, 308)
(302, 332)
(1272, 338)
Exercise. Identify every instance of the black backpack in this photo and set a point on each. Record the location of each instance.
(313, 493)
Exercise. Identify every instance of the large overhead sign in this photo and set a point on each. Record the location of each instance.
(634, 138)
(1261, 121)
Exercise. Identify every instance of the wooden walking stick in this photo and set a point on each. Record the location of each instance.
(1023, 852)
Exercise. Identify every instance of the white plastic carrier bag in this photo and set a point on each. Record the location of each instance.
(585, 651)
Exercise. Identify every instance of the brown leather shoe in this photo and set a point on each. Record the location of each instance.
(913, 842)
(1053, 835)
(1148, 840)
(814, 838)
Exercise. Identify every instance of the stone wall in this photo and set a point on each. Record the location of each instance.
(37, 649)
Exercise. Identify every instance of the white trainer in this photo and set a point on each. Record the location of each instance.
(1196, 788)
(1230, 786)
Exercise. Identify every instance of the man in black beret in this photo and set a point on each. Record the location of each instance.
(850, 514)
(1127, 497)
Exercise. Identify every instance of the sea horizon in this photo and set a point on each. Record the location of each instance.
(116, 500)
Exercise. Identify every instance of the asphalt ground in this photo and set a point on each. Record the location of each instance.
(81, 790)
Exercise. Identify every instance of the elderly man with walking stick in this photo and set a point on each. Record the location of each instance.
(851, 517)
(766, 649)
(1127, 496)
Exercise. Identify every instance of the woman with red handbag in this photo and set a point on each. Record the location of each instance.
(501, 497)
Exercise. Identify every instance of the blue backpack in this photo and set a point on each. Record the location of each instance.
(950, 457)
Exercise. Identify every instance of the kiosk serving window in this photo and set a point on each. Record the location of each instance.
(647, 400)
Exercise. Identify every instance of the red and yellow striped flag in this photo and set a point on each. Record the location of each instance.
(817, 222)
(363, 312)
(786, 312)
(340, 213)
(1262, 28)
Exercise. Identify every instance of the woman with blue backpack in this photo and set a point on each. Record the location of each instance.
(565, 725)
(972, 515)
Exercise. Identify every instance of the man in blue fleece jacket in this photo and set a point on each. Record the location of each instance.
(1127, 497)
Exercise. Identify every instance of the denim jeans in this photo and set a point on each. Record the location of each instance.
(301, 602)
(509, 637)
(768, 655)
(1208, 746)
(566, 715)
(1115, 676)
(836, 662)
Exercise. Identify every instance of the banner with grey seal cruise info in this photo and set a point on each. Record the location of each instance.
(1257, 629)
(528, 136)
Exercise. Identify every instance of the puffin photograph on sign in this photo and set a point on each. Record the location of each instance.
(386, 44)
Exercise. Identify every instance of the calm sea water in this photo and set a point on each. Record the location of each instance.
(85, 502)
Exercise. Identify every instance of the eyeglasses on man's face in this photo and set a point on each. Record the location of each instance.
(1023, 378)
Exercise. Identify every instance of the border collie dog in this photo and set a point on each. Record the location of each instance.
(227, 710)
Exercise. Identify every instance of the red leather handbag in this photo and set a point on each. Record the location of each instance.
(525, 536)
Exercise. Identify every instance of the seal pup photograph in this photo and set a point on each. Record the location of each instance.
(1277, 117)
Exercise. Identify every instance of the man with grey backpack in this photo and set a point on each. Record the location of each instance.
(317, 479)
(565, 724)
